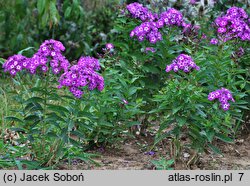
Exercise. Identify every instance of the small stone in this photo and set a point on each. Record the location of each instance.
(186, 155)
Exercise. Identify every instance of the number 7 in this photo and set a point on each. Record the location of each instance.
(241, 175)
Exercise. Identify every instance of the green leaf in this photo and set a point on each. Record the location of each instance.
(74, 142)
(32, 118)
(210, 135)
(208, 48)
(19, 164)
(2, 60)
(170, 162)
(214, 149)
(132, 90)
(78, 134)
(12, 118)
(58, 108)
(132, 123)
(181, 120)
(160, 137)
(45, 19)
(53, 12)
(34, 100)
(33, 107)
(31, 165)
(175, 110)
(39, 90)
(165, 125)
(87, 158)
(51, 134)
(17, 129)
(54, 118)
(84, 114)
(41, 6)
(105, 123)
(151, 68)
(26, 49)
(67, 12)
(71, 124)
(224, 138)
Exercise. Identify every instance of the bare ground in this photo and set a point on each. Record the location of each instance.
(132, 155)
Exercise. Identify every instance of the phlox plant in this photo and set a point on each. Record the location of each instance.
(59, 107)
(47, 116)
(179, 68)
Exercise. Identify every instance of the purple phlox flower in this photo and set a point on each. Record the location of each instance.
(138, 11)
(223, 95)
(89, 62)
(48, 53)
(15, 64)
(150, 153)
(234, 24)
(192, 2)
(214, 41)
(82, 74)
(101, 149)
(169, 68)
(225, 106)
(172, 17)
(211, 96)
(125, 101)
(151, 23)
(147, 30)
(204, 36)
(184, 63)
(109, 46)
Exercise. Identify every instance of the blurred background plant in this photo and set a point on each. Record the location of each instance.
(81, 25)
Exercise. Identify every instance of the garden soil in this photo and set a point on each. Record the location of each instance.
(133, 155)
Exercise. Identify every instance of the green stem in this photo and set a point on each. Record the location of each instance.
(24, 87)
(45, 94)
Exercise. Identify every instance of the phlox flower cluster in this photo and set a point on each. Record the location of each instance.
(192, 2)
(184, 63)
(138, 11)
(149, 28)
(223, 95)
(89, 62)
(51, 50)
(171, 17)
(49, 54)
(214, 41)
(109, 46)
(108, 49)
(235, 24)
(15, 64)
(82, 74)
